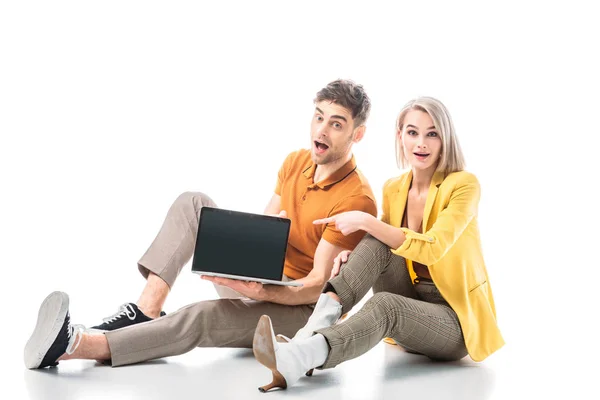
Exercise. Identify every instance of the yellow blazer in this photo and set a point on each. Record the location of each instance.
(451, 248)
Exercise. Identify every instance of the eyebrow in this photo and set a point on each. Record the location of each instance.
(333, 116)
(412, 126)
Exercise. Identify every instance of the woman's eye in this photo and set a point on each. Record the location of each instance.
(412, 133)
(432, 134)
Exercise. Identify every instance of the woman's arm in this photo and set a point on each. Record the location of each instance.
(385, 233)
(429, 247)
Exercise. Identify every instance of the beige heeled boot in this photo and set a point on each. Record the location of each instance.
(287, 361)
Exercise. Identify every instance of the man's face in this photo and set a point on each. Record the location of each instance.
(332, 132)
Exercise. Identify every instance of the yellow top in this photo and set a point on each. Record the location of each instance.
(451, 248)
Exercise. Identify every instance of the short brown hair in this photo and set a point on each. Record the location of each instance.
(349, 95)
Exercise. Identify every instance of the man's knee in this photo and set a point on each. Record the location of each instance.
(195, 199)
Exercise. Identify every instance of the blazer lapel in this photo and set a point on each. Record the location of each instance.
(436, 181)
(400, 199)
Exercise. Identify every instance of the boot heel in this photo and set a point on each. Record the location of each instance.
(310, 372)
(278, 382)
(264, 351)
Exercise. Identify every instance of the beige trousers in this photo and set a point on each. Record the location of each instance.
(226, 322)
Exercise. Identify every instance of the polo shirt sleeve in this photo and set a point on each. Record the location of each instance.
(355, 203)
(284, 172)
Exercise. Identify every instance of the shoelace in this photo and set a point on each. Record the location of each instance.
(124, 310)
(74, 332)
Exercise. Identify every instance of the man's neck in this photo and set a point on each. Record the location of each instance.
(324, 171)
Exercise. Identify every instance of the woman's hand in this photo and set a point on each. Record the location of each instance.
(347, 222)
(338, 261)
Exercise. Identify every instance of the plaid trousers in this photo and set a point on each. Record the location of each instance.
(416, 316)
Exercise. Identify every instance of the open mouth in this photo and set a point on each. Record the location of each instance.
(421, 155)
(320, 146)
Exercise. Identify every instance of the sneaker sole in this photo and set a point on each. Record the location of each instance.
(51, 318)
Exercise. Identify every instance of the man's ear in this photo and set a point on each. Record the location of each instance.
(359, 133)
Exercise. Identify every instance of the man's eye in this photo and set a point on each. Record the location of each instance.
(319, 118)
(337, 125)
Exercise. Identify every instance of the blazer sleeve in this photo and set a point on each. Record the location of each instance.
(385, 207)
(429, 247)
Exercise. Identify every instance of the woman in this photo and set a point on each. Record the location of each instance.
(423, 259)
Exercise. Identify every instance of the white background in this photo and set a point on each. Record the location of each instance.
(109, 110)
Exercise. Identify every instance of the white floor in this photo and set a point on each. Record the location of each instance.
(210, 373)
(383, 373)
(524, 367)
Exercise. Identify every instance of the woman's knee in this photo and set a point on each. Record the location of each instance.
(372, 243)
(384, 300)
(369, 249)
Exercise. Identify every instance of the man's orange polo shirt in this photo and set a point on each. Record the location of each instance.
(305, 201)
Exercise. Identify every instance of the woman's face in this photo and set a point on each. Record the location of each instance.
(421, 142)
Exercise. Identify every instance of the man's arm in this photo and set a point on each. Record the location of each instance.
(313, 283)
(274, 206)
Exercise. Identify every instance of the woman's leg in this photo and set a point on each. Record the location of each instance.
(371, 264)
(427, 328)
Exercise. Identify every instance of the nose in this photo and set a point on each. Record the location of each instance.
(322, 130)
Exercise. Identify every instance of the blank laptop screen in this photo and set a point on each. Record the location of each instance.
(236, 243)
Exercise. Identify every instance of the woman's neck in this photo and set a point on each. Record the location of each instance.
(421, 179)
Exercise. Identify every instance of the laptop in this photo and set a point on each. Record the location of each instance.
(239, 245)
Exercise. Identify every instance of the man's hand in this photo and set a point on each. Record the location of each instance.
(282, 214)
(252, 290)
(347, 222)
(338, 261)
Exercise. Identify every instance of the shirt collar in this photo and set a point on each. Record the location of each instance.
(337, 176)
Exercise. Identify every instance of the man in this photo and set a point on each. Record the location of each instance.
(311, 184)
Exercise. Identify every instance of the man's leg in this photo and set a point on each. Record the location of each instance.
(171, 250)
(213, 323)
(160, 265)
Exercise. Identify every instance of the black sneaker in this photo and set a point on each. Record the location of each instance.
(53, 335)
(128, 314)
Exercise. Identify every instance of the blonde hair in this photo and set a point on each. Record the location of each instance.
(452, 159)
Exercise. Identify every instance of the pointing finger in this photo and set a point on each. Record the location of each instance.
(324, 221)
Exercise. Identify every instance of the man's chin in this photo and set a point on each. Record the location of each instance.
(319, 159)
